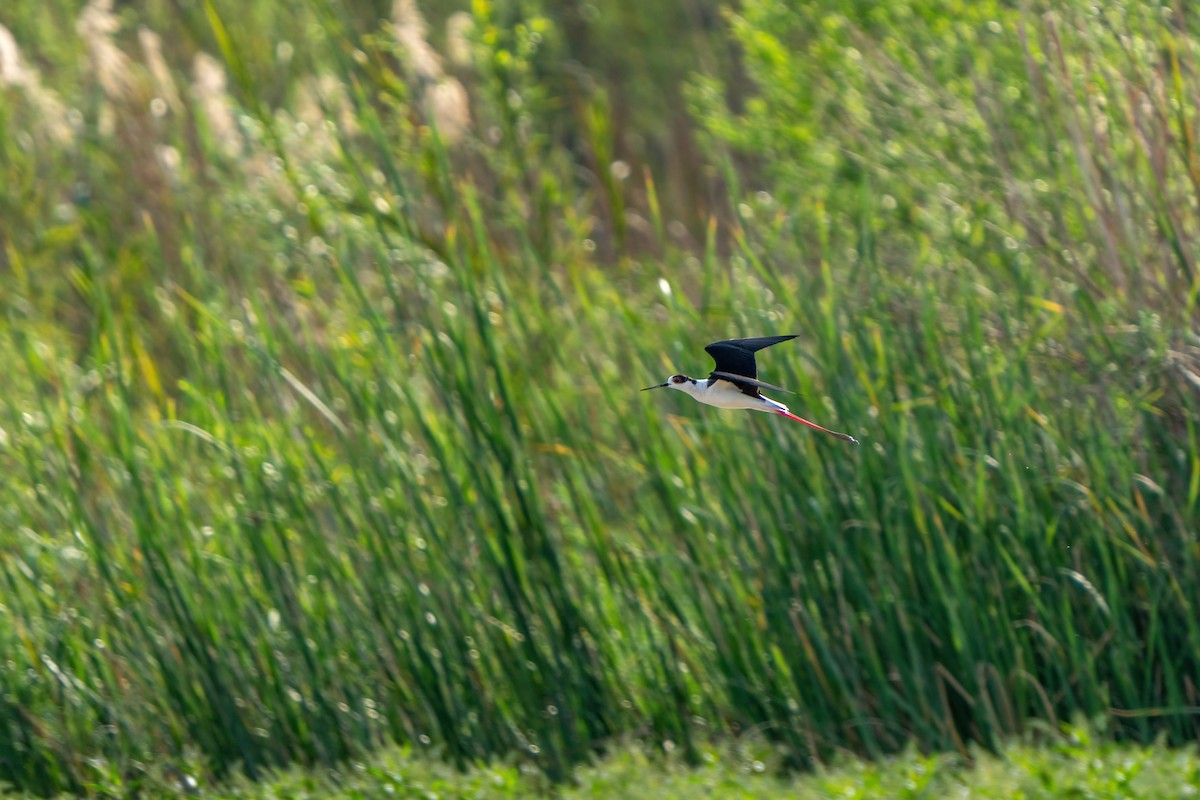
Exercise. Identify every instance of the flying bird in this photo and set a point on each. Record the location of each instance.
(735, 384)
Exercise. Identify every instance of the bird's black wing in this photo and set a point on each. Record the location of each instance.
(736, 356)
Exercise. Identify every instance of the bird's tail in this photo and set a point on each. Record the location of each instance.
(781, 409)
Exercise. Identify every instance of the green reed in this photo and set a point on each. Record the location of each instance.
(344, 449)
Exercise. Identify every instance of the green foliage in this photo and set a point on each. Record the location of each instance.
(1071, 766)
(320, 430)
(1046, 149)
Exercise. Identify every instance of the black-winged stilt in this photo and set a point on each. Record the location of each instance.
(734, 383)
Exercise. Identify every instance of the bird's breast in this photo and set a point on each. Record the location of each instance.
(723, 394)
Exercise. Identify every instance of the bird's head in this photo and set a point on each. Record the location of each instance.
(681, 382)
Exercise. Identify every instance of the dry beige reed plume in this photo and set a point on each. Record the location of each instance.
(14, 72)
(164, 83)
(112, 68)
(412, 33)
(209, 90)
(445, 99)
(448, 105)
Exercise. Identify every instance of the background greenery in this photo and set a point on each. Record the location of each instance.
(322, 330)
(1077, 765)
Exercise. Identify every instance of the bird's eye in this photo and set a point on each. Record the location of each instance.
(677, 379)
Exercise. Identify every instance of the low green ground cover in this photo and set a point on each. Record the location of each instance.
(321, 335)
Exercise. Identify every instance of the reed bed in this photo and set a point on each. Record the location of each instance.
(321, 429)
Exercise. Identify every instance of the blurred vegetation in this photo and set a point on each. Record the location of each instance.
(323, 328)
(1074, 763)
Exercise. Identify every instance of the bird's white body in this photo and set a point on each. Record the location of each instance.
(724, 394)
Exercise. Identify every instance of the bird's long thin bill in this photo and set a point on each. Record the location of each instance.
(659, 386)
(844, 436)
